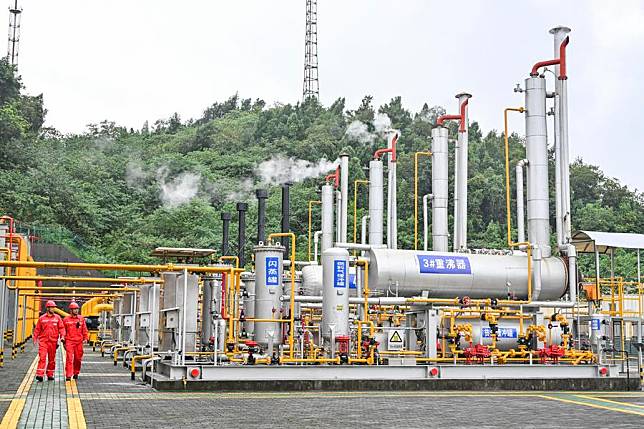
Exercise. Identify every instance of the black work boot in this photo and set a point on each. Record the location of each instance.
(76, 377)
(50, 378)
(39, 378)
(68, 379)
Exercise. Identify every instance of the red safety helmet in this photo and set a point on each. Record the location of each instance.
(50, 303)
(73, 305)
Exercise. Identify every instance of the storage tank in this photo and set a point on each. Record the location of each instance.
(268, 289)
(449, 275)
(335, 292)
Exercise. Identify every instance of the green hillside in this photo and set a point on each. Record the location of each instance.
(112, 194)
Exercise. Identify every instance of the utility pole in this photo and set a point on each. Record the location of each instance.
(14, 32)
(311, 82)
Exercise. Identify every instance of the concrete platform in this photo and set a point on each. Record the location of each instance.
(104, 397)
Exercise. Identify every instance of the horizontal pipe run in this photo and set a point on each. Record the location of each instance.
(357, 246)
(138, 280)
(117, 267)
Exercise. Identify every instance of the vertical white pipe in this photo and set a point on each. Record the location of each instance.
(520, 207)
(375, 202)
(537, 154)
(561, 134)
(425, 222)
(184, 306)
(388, 218)
(440, 186)
(338, 216)
(363, 230)
(558, 208)
(316, 244)
(393, 192)
(344, 189)
(461, 174)
(327, 217)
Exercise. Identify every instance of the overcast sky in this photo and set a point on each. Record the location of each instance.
(131, 61)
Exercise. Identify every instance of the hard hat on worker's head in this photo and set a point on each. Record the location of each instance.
(73, 306)
(50, 303)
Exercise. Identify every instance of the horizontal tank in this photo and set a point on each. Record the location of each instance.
(449, 275)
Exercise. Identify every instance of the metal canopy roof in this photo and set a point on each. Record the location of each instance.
(585, 241)
(181, 252)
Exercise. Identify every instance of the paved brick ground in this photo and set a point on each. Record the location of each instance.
(111, 400)
(13, 373)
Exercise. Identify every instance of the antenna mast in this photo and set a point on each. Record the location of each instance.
(311, 82)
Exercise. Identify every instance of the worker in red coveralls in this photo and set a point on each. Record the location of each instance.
(48, 330)
(75, 335)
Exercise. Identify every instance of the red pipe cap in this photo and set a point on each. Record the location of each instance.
(194, 372)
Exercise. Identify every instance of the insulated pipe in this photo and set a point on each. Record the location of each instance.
(327, 217)
(225, 238)
(558, 192)
(316, 243)
(286, 226)
(537, 155)
(363, 231)
(520, 207)
(392, 195)
(440, 185)
(241, 233)
(344, 189)
(262, 195)
(425, 221)
(375, 203)
(338, 215)
(461, 174)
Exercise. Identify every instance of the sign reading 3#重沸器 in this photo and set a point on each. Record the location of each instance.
(501, 333)
(272, 271)
(340, 274)
(436, 264)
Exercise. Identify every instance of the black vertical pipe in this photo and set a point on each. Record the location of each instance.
(286, 225)
(241, 238)
(262, 195)
(225, 239)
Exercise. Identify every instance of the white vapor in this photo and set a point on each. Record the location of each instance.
(280, 169)
(180, 189)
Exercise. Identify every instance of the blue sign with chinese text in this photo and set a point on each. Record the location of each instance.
(594, 324)
(352, 281)
(438, 264)
(501, 333)
(272, 271)
(340, 273)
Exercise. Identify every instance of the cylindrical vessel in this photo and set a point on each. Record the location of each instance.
(450, 275)
(248, 280)
(225, 237)
(537, 155)
(376, 198)
(241, 237)
(262, 195)
(327, 217)
(207, 327)
(268, 288)
(440, 187)
(312, 280)
(344, 189)
(335, 292)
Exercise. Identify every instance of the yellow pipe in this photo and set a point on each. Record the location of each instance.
(356, 184)
(292, 303)
(75, 288)
(120, 349)
(104, 307)
(114, 267)
(84, 279)
(311, 223)
(133, 364)
(235, 259)
(416, 156)
(310, 360)
(78, 295)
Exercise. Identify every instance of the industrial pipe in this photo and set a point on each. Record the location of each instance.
(311, 203)
(114, 267)
(241, 233)
(338, 215)
(461, 175)
(286, 207)
(416, 156)
(262, 196)
(344, 189)
(71, 279)
(356, 184)
(376, 192)
(425, 221)
(520, 209)
(440, 185)
(327, 216)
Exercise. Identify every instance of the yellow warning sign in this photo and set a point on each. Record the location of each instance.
(395, 340)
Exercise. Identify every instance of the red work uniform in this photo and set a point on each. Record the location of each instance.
(76, 334)
(49, 328)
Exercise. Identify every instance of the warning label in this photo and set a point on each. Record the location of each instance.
(395, 340)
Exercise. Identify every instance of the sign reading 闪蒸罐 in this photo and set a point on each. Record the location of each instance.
(340, 273)
(272, 271)
(439, 264)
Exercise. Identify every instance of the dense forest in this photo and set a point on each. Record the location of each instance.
(113, 194)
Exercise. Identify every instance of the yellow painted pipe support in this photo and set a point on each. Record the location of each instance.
(135, 359)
